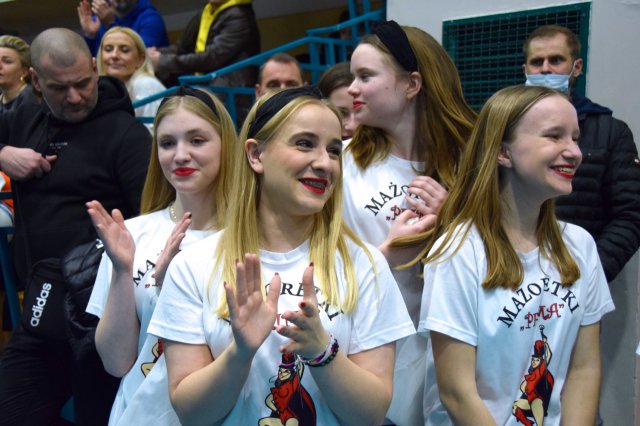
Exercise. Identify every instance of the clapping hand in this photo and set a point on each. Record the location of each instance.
(307, 334)
(171, 248)
(117, 239)
(252, 317)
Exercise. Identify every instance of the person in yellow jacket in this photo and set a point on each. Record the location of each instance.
(222, 33)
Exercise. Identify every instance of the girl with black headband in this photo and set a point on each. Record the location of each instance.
(184, 200)
(403, 157)
(284, 317)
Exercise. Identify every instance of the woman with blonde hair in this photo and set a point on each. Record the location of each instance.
(15, 81)
(184, 199)
(505, 284)
(122, 55)
(284, 317)
(413, 124)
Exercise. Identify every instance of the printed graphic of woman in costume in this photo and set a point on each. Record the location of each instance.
(289, 401)
(537, 385)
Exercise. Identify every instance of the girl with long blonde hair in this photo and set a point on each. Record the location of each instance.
(284, 317)
(184, 200)
(513, 298)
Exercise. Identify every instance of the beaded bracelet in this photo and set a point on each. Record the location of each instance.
(329, 353)
(324, 354)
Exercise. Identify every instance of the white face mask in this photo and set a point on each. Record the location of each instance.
(558, 82)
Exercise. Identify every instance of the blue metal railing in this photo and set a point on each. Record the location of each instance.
(320, 45)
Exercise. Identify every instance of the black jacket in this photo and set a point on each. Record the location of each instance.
(233, 36)
(103, 157)
(606, 189)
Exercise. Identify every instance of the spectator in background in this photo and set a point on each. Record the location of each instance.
(223, 33)
(280, 71)
(122, 55)
(82, 143)
(605, 198)
(15, 87)
(334, 85)
(139, 15)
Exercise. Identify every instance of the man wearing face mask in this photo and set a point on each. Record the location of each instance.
(605, 198)
(139, 15)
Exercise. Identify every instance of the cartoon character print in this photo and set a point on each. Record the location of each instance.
(536, 387)
(289, 401)
(156, 351)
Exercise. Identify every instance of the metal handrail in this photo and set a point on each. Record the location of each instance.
(314, 39)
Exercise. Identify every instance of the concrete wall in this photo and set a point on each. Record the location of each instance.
(612, 81)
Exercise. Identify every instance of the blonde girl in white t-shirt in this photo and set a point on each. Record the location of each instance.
(284, 317)
(184, 199)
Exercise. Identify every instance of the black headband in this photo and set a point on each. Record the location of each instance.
(275, 103)
(394, 37)
(196, 93)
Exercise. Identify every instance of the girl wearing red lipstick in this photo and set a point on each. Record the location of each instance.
(499, 269)
(413, 123)
(335, 320)
(183, 201)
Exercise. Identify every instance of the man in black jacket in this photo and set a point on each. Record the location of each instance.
(606, 196)
(82, 144)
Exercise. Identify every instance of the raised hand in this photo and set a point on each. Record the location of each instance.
(171, 248)
(89, 26)
(307, 334)
(117, 240)
(104, 10)
(252, 317)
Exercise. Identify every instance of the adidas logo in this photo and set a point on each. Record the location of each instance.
(41, 301)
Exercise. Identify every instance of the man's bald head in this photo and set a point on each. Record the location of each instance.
(60, 47)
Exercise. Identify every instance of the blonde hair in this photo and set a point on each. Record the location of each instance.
(158, 193)
(444, 119)
(327, 236)
(145, 69)
(21, 47)
(475, 198)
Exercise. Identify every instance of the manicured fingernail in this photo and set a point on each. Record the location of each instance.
(277, 274)
(189, 215)
(311, 264)
(303, 305)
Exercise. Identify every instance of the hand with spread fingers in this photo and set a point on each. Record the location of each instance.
(117, 240)
(171, 248)
(307, 334)
(252, 317)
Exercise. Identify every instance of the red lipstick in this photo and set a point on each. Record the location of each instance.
(183, 171)
(318, 186)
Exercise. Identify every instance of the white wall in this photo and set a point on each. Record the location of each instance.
(613, 74)
(614, 64)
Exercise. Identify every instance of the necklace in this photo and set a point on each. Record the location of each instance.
(172, 213)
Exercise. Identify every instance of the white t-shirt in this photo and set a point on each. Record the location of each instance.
(505, 325)
(373, 198)
(150, 233)
(186, 313)
(143, 86)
